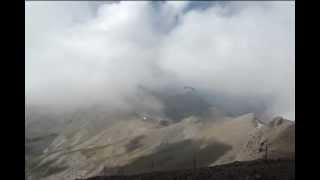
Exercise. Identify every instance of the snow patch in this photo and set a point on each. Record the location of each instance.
(59, 142)
(259, 125)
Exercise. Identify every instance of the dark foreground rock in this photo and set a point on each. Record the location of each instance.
(251, 170)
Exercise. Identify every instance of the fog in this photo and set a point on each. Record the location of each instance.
(116, 53)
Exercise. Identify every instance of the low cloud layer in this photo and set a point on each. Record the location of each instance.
(81, 53)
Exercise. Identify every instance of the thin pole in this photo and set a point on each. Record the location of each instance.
(266, 155)
(152, 165)
(194, 161)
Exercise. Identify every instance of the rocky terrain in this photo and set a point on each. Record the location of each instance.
(250, 170)
(139, 144)
(95, 140)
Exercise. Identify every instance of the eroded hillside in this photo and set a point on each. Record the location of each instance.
(139, 144)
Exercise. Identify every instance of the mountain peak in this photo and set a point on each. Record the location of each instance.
(278, 120)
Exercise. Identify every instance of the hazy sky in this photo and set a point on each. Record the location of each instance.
(88, 52)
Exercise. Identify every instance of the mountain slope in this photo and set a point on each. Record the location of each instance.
(275, 140)
(131, 144)
(252, 170)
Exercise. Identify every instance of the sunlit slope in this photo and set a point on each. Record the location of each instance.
(136, 144)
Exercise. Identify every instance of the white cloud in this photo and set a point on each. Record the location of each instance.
(79, 56)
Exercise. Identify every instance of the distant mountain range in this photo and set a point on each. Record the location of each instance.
(88, 143)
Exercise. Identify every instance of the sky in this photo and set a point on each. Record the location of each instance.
(80, 53)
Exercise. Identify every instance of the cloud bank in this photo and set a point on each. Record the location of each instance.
(81, 53)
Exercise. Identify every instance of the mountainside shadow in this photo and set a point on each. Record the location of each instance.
(181, 155)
